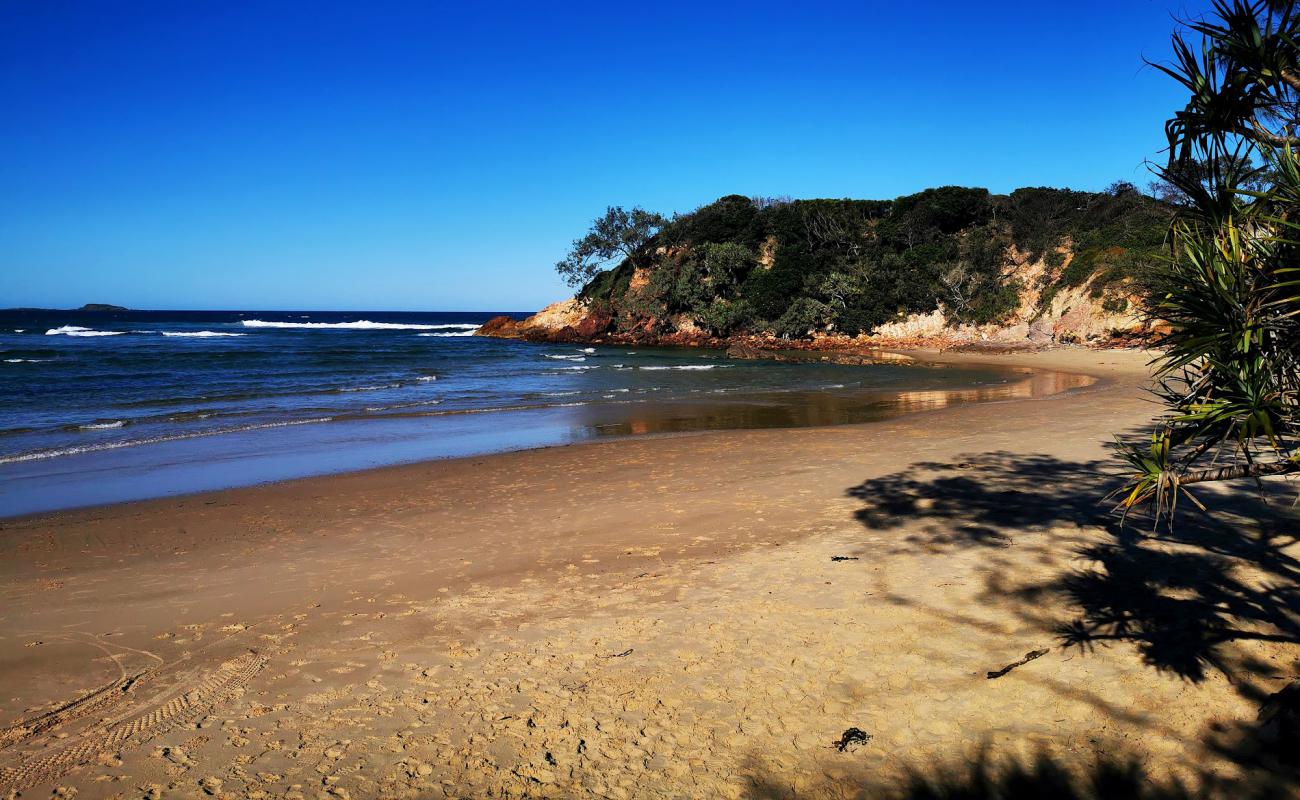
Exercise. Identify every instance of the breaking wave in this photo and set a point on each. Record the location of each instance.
(77, 330)
(359, 325)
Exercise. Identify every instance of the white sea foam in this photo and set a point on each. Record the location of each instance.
(588, 349)
(371, 388)
(404, 405)
(559, 357)
(102, 426)
(362, 325)
(578, 367)
(25, 360)
(77, 330)
(455, 333)
(427, 378)
(201, 334)
(688, 366)
(20, 330)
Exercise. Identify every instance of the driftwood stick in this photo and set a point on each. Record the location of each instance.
(1030, 656)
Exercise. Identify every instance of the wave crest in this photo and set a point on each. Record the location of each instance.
(77, 330)
(359, 325)
(200, 334)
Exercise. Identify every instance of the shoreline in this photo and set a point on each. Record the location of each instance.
(652, 617)
(1000, 359)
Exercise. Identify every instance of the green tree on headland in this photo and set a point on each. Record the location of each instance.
(1230, 288)
(617, 235)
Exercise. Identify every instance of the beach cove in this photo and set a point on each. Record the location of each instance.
(703, 615)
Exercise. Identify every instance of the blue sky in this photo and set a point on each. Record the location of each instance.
(420, 156)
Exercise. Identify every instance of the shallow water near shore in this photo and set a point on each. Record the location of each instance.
(106, 408)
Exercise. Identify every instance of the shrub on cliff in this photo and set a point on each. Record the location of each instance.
(729, 219)
(923, 217)
(723, 317)
(804, 316)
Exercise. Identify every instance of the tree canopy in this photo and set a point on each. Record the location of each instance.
(1230, 288)
(617, 235)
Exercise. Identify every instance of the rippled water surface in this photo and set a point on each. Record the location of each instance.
(103, 407)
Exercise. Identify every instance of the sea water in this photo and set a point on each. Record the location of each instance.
(106, 407)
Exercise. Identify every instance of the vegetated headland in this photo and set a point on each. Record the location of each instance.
(946, 267)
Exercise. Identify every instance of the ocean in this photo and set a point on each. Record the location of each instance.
(99, 407)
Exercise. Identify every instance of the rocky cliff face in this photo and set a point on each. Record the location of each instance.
(1048, 312)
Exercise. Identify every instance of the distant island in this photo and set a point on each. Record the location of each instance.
(102, 307)
(88, 307)
(950, 264)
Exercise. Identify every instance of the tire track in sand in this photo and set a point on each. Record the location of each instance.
(220, 685)
(104, 698)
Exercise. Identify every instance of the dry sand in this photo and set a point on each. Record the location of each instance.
(659, 618)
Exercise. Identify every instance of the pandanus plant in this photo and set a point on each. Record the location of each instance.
(1228, 295)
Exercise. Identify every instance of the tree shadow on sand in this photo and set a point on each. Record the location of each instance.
(1178, 596)
(1110, 777)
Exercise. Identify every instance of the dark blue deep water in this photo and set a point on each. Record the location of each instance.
(102, 407)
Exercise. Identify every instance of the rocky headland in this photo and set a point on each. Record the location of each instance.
(948, 268)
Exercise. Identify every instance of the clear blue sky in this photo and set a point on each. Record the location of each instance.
(427, 156)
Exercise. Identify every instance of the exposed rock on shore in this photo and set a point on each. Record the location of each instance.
(1070, 316)
(565, 321)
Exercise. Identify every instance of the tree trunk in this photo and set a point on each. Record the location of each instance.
(1241, 471)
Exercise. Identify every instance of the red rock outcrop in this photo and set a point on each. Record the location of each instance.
(502, 327)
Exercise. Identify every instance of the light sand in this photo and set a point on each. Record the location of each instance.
(655, 618)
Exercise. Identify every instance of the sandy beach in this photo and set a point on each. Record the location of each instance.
(697, 616)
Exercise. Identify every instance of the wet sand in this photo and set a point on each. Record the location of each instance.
(654, 618)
